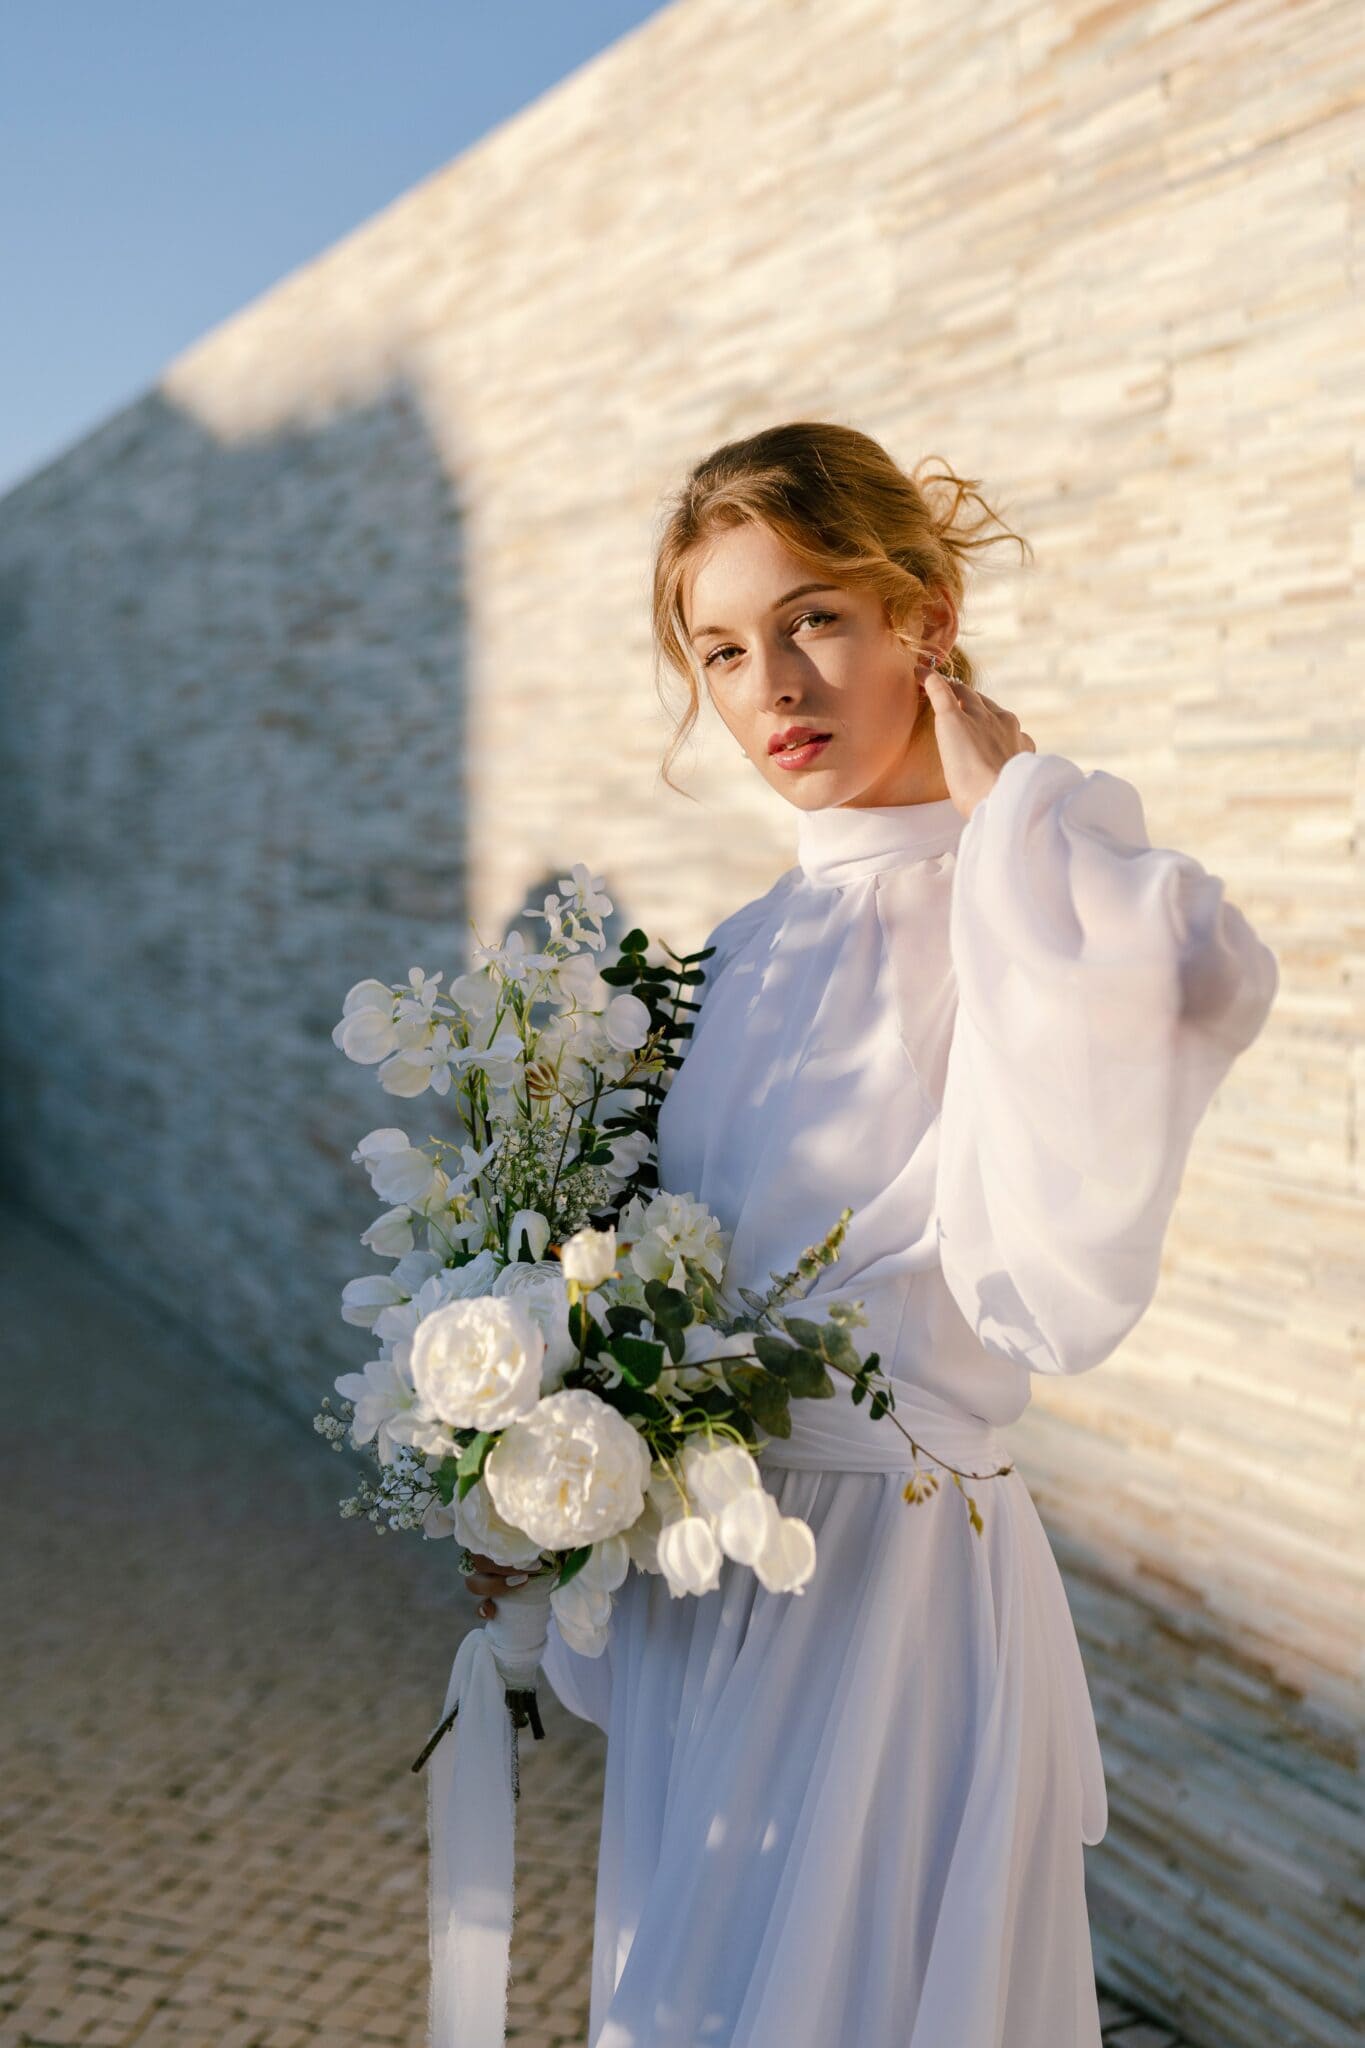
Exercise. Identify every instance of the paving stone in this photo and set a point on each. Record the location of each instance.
(211, 1837)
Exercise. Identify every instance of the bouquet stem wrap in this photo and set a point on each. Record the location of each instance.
(471, 1822)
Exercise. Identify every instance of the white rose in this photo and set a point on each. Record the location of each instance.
(572, 1471)
(478, 1523)
(714, 1473)
(476, 1363)
(689, 1555)
(589, 1256)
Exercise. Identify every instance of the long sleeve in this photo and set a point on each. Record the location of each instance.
(1104, 988)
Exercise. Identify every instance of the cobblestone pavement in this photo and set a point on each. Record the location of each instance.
(209, 1833)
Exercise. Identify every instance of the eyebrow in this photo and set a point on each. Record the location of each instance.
(801, 590)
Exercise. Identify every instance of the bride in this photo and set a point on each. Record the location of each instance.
(986, 1012)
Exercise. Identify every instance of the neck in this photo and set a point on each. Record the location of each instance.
(846, 842)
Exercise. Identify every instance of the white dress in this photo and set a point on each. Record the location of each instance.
(853, 1817)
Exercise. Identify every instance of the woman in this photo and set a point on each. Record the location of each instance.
(986, 1013)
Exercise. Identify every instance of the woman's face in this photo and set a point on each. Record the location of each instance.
(778, 652)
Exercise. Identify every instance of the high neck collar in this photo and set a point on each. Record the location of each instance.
(844, 842)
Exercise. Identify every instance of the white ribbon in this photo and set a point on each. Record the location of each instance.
(471, 1811)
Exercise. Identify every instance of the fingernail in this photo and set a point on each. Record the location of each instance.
(517, 1578)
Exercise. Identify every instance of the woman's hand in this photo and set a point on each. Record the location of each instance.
(976, 736)
(489, 1578)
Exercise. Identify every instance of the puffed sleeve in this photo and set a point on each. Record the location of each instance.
(1104, 988)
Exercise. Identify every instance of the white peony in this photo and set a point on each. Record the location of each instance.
(476, 1363)
(572, 1471)
(541, 1291)
(689, 1555)
(589, 1256)
(478, 1523)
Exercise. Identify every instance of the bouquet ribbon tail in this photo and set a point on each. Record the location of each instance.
(470, 1821)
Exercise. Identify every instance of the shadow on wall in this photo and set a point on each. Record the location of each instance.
(233, 739)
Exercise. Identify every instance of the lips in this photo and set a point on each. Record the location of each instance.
(803, 753)
(793, 736)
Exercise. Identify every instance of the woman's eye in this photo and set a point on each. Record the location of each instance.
(823, 617)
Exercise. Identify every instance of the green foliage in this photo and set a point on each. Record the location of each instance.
(672, 1312)
(585, 1330)
(470, 1462)
(764, 1396)
(574, 1561)
(640, 1361)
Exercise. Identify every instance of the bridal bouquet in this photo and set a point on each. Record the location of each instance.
(561, 1382)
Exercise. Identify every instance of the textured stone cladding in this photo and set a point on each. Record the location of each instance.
(337, 639)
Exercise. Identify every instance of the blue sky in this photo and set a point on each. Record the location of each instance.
(162, 163)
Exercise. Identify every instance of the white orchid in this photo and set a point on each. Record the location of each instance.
(366, 1031)
(398, 1171)
(513, 960)
(382, 1394)
(390, 1235)
(666, 1229)
(364, 1300)
(579, 913)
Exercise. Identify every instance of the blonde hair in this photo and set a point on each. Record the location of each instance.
(840, 504)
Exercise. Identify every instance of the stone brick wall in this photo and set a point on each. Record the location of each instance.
(338, 638)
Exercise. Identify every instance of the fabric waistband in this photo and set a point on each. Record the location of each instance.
(834, 1435)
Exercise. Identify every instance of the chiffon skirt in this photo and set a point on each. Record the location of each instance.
(852, 1817)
